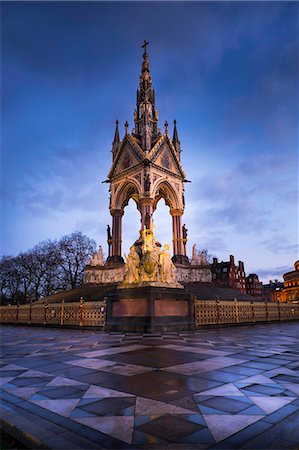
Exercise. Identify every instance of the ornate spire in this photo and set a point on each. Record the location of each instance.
(175, 138)
(145, 115)
(116, 139)
(146, 91)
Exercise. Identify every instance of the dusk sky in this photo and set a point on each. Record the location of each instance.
(227, 72)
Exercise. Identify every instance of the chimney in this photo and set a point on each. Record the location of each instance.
(232, 259)
(215, 260)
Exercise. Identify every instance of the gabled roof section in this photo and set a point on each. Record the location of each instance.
(130, 147)
(160, 148)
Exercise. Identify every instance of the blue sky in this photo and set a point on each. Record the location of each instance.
(228, 72)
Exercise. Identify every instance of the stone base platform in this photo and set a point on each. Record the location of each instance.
(187, 273)
(150, 309)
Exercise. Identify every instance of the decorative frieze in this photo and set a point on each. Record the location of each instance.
(103, 275)
(193, 274)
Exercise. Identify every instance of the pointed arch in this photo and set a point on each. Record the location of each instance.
(165, 190)
(129, 189)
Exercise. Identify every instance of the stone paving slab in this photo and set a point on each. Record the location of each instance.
(221, 388)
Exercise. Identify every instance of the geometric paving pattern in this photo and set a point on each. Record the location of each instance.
(234, 387)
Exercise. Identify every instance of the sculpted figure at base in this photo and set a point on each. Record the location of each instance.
(194, 253)
(132, 264)
(147, 263)
(97, 259)
(199, 257)
(167, 268)
(100, 256)
(149, 268)
(147, 240)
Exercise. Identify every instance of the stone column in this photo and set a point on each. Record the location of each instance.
(179, 244)
(116, 240)
(146, 211)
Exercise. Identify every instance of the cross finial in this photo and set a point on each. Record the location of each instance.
(145, 43)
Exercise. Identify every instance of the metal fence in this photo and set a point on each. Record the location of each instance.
(93, 314)
(219, 312)
(84, 314)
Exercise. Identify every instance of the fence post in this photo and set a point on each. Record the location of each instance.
(252, 311)
(217, 309)
(81, 311)
(266, 311)
(279, 311)
(30, 312)
(45, 315)
(236, 309)
(62, 312)
(17, 311)
(104, 309)
(195, 309)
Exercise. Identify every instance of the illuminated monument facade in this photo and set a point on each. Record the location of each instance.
(146, 167)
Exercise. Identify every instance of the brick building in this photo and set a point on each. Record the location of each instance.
(254, 286)
(229, 275)
(272, 291)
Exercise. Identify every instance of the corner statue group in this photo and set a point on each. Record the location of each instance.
(147, 262)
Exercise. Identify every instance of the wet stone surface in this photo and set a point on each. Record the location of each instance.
(218, 388)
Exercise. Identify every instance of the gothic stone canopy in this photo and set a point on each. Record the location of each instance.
(146, 167)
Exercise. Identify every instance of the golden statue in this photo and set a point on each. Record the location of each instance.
(132, 263)
(149, 264)
(147, 240)
(167, 268)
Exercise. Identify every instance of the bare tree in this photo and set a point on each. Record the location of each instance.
(10, 280)
(75, 251)
(51, 282)
(26, 264)
(207, 255)
(49, 267)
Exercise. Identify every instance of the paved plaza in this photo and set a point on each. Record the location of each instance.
(227, 388)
